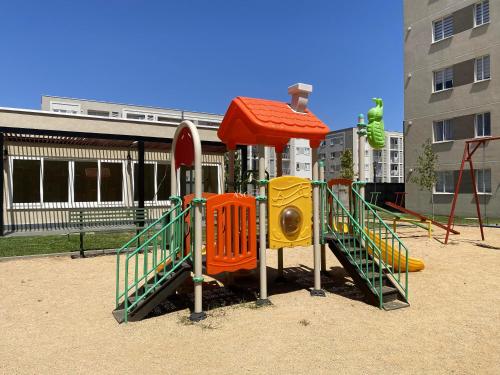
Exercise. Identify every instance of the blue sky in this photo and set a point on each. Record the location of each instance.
(198, 55)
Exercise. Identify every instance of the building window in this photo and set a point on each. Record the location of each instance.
(483, 124)
(24, 171)
(136, 116)
(443, 79)
(445, 183)
(332, 155)
(442, 28)
(92, 112)
(55, 181)
(482, 68)
(210, 178)
(483, 181)
(163, 181)
(62, 107)
(149, 182)
(85, 181)
(442, 131)
(482, 13)
(308, 166)
(170, 119)
(111, 182)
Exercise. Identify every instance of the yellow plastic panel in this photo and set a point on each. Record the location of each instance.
(289, 195)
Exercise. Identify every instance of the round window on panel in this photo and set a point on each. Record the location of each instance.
(291, 220)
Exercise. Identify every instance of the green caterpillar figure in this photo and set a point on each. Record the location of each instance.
(375, 127)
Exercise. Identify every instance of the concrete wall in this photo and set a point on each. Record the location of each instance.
(460, 104)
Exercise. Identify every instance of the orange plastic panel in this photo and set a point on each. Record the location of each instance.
(231, 233)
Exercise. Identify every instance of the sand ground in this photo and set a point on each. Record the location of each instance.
(55, 318)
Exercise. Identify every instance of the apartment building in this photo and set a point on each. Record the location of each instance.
(385, 165)
(452, 93)
(296, 158)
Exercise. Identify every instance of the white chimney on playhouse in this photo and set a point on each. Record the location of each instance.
(300, 96)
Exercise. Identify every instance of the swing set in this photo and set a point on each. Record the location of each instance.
(470, 148)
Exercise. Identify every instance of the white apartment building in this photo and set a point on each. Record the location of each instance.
(297, 159)
(385, 165)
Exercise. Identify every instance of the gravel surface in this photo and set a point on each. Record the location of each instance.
(55, 318)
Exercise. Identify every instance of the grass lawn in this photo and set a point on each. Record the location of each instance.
(12, 246)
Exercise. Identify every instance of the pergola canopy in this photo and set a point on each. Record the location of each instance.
(250, 121)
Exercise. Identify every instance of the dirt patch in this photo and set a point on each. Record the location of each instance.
(55, 318)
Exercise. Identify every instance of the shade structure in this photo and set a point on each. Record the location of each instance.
(251, 121)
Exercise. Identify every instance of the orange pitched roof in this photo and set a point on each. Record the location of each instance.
(250, 121)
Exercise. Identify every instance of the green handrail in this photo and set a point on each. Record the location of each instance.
(370, 219)
(163, 242)
(334, 218)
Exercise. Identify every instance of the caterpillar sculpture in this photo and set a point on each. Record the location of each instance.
(375, 127)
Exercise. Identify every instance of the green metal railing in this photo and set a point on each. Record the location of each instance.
(151, 256)
(355, 232)
(338, 221)
(392, 253)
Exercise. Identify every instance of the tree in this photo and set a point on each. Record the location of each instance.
(425, 175)
(346, 165)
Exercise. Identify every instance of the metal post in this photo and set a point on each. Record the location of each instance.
(141, 183)
(455, 194)
(279, 173)
(263, 300)
(2, 223)
(230, 167)
(198, 313)
(244, 168)
(361, 152)
(476, 197)
(323, 247)
(316, 291)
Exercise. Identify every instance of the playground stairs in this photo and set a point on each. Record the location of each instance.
(376, 283)
(369, 250)
(153, 265)
(152, 295)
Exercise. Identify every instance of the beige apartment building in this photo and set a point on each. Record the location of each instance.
(452, 93)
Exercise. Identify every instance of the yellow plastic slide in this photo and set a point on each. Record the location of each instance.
(387, 252)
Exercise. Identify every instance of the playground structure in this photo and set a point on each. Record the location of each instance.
(292, 212)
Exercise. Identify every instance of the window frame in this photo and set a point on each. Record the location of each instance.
(77, 106)
(434, 40)
(476, 60)
(476, 175)
(434, 72)
(451, 173)
(444, 121)
(481, 3)
(476, 116)
(178, 180)
(70, 203)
